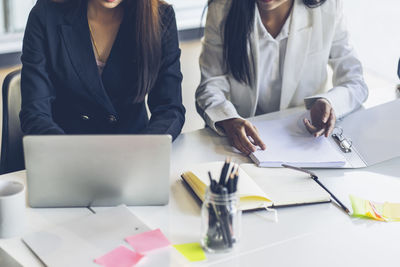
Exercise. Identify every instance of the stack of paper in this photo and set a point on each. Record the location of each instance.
(288, 141)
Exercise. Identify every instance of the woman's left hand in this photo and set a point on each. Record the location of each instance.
(323, 118)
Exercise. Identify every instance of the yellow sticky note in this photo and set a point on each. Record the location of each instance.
(191, 251)
(391, 211)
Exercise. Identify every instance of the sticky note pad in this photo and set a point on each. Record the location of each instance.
(388, 212)
(191, 251)
(365, 208)
(119, 257)
(148, 241)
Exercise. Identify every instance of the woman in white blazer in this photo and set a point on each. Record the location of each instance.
(261, 56)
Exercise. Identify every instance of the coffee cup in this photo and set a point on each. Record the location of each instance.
(12, 208)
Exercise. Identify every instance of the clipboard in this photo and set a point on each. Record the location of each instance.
(363, 138)
(369, 136)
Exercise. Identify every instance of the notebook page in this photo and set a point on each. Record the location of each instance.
(246, 186)
(286, 187)
(288, 141)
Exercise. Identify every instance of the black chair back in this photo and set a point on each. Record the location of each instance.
(398, 69)
(12, 158)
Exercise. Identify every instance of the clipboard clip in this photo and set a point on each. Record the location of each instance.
(344, 143)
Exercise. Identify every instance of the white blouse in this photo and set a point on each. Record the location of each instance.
(270, 65)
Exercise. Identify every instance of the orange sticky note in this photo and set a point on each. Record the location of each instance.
(119, 257)
(148, 241)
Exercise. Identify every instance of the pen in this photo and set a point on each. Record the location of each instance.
(315, 178)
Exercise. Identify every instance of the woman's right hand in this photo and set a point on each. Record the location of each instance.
(238, 132)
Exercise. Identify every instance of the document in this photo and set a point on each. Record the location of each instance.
(288, 141)
(79, 242)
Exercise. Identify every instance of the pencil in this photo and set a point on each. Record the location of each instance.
(315, 178)
(224, 171)
(211, 182)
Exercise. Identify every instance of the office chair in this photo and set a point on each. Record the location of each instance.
(12, 158)
(398, 74)
(398, 69)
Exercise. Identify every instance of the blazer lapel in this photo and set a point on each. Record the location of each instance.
(253, 56)
(296, 51)
(76, 37)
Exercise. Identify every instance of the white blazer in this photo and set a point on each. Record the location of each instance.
(317, 37)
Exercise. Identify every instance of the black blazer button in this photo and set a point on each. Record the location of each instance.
(85, 117)
(112, 119)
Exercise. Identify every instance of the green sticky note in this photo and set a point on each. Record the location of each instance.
(191, 251)
(358, 206)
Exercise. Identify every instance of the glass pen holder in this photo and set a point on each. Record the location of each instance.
(220, 222)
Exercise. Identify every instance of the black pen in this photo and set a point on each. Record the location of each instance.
(315, 178)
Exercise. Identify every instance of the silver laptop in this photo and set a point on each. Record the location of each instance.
(97, 170)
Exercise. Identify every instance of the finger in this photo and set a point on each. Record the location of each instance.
(326, 113)
(316, 132)
(319, 132)
(330, 124)
(233, 140)
(325, 109)
(245, 140)
(239, 145)
(253, 133)
(311, 128)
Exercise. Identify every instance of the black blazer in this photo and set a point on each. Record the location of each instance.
(62, 91)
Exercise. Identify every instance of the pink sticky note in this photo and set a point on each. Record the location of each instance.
(148, 241)
(119, 257)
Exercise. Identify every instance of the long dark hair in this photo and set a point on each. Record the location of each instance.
(237, 29)
(148, 39)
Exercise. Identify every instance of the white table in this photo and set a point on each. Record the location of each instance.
(315, 235)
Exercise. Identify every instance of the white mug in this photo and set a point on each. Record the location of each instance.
(12, 208)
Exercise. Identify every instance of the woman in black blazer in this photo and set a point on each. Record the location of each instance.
(89, 64)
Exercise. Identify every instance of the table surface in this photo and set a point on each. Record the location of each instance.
(313, 235)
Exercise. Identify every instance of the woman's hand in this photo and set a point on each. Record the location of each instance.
(323, 118)
(238, 132)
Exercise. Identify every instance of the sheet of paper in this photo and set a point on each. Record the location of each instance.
(148, 241)
(119, 257)
(191, 251)
(288, 141)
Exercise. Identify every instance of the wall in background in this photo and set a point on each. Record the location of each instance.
(375, 30)
(2, 19)
(188, 13)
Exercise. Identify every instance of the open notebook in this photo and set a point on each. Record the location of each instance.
(259, 187)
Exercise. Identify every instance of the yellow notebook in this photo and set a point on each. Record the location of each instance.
(260, 187)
